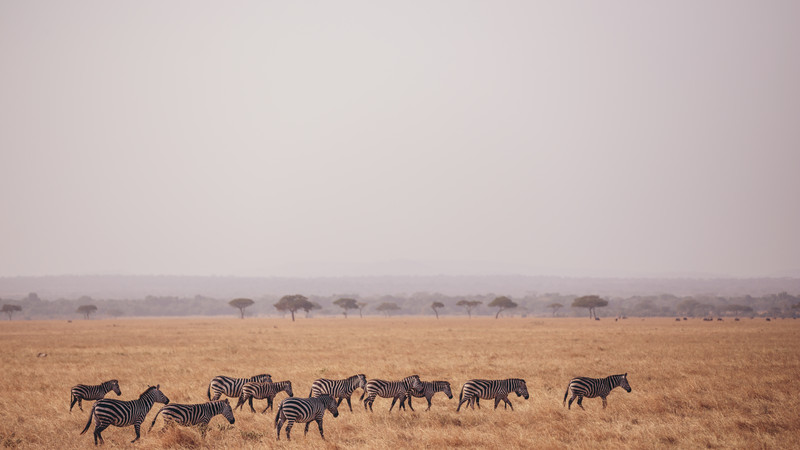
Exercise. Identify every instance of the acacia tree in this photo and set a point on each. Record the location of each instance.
(469, 305)
(388, 307)
(435, 307)
(345, 304)
(361, 306)
(10, 310)
(241, 304)
(310, 307)
(502, 303)
(591, 302)
(293, 303)
(86, 310)
(555, 307)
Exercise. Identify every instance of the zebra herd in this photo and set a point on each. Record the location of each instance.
(325, 395)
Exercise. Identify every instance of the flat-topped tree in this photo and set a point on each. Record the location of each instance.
(435, 307)
(293, 303)
(241, 304)
(361, 306)
(502, 303)
(388, 307)
(469, 305)
(590, 302)
(345, 304)
(555, 307)
(10, 310)
(86, 310)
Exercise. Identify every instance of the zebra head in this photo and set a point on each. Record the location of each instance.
(115, 387)
(330, 404)
(227, 412)
(623, 381)
(413, 383)
(362, 381)
(156, 394)
(446, 389)
(288, 388)
(522, 389)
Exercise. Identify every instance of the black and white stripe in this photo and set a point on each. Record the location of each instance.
(259, 391)
(397, 390)
(92, 392)
(195, 414)
(304, 410)
(474, 390)
(339, 389)
(122, 413)
(428, 389)
(232, 387)
(594, 387)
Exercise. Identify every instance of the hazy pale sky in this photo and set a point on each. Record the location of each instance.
(622, 138)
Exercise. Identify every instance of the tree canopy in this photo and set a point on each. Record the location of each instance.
(469, 305)
(346, 303)
(555, 307)
(292, 303)
(241, 304)
(11, 309)
(86, 310)
(591, 302)
(388, 307)
(435, 306)
(502, 303)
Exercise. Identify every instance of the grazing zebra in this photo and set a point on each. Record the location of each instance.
(339, 389)
(398, 390)
(474, 390)
(428, 389)
(259, 391)
(196, 414)
(594, 387)
(232, 387)
(304, 410)
(96, 392)
(123, 413)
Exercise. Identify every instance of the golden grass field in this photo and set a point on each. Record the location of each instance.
(695, 384)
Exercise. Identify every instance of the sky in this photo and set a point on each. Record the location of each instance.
(619, 138)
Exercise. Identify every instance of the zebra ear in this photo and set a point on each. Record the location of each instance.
(626, 375)
(158, 386)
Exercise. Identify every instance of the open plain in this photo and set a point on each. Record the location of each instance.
(695, 384)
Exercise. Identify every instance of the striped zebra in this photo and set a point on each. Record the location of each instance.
(122, 413)
(304, 410)
(232, 387)
(259, 391)
(339, 389)
(195, 414)
(474, 390)
(398, 390)
(594, 387)
(92, 392)
(428, 389)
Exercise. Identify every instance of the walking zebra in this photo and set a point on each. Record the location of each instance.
(259, 391)
(428, 389)
(232, 387)
(398, 390)
(304, 410)
(339, 389)
(94, 392)
(195, 414)
(474, 390)
(594, 387)
(122, 413)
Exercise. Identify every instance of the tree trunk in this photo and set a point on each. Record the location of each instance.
(469, 313)
(498, 313)
(345, 314)
(437, 314)
(241, 311)
(292, 315)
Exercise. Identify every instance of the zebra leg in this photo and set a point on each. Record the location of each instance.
(97, 430)
(138, 434)
(476, 401)
(580, 400)
(74, 400)
(497, 401)
(571, 399)
(279, 423)
(289, 425)
(461, 402)
(80, 404)
(409, 403)
(203, 428)
(429, 403)
(508, 402)
(250, 402)
(394, 400)
(321, 433)
(306, 431)
(348, 403)
(604, 402)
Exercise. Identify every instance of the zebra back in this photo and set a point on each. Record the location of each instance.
(338, 388)
(306, 409)
(232, 387)
(195, 414)
(123, 413)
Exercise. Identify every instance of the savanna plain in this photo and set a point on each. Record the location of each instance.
(695, 384)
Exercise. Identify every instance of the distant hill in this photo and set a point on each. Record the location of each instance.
(135, 287)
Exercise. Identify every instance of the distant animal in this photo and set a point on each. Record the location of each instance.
(339, 389)
(397, 390)
(473, 390)
(594, 387)
(304, 410)
(122, 413)
(429, 388)
(195, 414)
(259, 391)
(232, 387)
(92, 392)
(677, 319)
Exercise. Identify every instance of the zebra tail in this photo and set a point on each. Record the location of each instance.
(461, 395)
(154, 419)
(91, 414)
(363, 393)
(565, 396)
(280, 408)
(208, 393)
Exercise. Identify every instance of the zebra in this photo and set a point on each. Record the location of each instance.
(339, 389)
(304, 410)
(594, 387)
(123, 413)
(195, 414)
(428, 389)
(96, 392)
(255, 390)
(232, 387)
(474, 390)
(396, 389)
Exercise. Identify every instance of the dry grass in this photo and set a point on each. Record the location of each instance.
(695, 384)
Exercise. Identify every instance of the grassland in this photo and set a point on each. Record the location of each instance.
(695, 384)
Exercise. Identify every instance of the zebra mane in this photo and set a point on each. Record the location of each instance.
(148, 390)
